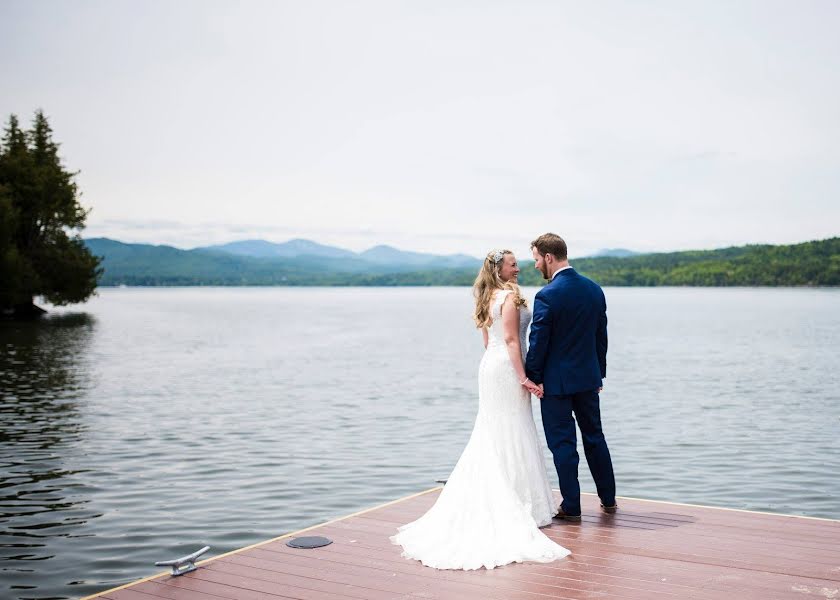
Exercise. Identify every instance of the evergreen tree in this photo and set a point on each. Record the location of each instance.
(41, 253)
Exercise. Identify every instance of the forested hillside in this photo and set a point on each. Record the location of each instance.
(809, 264)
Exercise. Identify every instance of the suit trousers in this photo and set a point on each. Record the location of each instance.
(560, 434)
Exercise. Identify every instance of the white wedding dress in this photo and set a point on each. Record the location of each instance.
(490, 510)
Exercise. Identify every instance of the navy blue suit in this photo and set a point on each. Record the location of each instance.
(568, 354)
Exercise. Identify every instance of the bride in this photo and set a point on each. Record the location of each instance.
(497, 497)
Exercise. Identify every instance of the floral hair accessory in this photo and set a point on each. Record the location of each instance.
(498, 255)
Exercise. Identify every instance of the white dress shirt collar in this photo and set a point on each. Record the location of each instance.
(558, 270)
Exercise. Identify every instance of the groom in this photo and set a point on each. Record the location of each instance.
(567, 357)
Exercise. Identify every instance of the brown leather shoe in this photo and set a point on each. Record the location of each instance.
(561, 515)
(609, 509)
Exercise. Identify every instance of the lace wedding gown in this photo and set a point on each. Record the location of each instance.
(490, 510)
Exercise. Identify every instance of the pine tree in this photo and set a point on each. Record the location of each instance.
(41, 253)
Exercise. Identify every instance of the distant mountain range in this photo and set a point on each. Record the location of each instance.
(304, 262)
(292, 248)
(258, 262)
(615, 252)
(379, 255)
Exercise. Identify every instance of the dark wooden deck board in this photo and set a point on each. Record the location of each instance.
(647, 550)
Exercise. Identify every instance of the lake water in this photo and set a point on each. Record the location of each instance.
(149, 422)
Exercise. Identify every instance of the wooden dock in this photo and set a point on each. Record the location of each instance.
(647, 550)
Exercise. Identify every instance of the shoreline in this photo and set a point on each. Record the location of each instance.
(380, 286)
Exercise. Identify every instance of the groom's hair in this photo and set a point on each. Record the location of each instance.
(551, 243)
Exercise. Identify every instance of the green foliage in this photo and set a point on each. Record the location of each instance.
(808, 264)
(41, 253)
(146, 265)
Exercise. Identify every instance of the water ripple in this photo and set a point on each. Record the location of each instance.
(164, 419)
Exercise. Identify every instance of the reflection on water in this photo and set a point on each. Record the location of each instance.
(44, 371)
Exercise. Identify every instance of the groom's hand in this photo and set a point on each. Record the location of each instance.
(534, 389)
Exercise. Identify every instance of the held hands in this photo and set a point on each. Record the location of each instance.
(536, 390)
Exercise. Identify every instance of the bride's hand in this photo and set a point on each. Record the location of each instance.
(533, 388)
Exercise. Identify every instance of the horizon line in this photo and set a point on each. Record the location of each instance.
(355, 253)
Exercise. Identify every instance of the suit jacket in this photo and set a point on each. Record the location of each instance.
(568, 343)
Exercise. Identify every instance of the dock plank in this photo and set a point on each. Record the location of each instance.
(649, 549)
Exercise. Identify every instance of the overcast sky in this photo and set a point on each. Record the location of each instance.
(443, 126)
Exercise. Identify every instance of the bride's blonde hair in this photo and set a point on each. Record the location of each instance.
(487, 283)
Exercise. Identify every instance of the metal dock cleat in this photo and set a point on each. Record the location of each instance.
(182, 565)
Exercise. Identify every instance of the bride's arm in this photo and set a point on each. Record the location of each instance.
(510, 326)
(484, 335)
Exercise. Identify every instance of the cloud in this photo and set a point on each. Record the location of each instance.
(448, 129)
